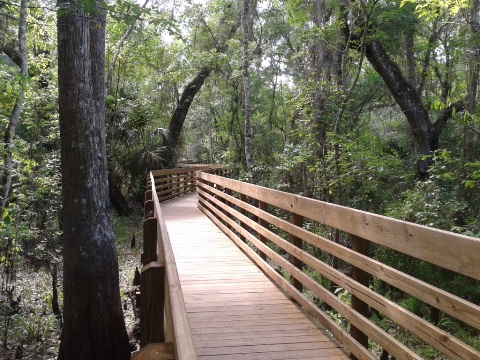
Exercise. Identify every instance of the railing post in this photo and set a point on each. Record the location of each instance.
(152, 287)
(361, 246)
(243, 212)
(298, 221)
(192, 180)
(262, 206)
(229, 192)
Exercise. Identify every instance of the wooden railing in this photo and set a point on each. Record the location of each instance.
(170, 183)
(163, 317)
(248, 214)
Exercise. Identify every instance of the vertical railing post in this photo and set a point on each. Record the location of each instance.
(361, 246)
(168, 181)
(298, 242)
(262, 206)
(243, 212)
(229, 192)
(193, 180)
(152, 282)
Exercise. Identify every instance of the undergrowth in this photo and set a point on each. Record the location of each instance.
(28, 327)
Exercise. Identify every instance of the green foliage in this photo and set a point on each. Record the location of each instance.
(430, 9)
(433, 202)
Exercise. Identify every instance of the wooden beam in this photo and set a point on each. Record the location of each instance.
(296, 220)
(362, 247)
(263, 207)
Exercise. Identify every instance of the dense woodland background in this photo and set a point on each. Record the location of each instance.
(368, 104)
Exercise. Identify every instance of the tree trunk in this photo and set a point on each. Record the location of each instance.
(17, 110)
(94, 327)
(424, 135)
(189, 93)
(246, 86)
(181, 111)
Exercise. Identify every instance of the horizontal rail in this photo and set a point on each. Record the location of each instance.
(248, 214)
(171, 183)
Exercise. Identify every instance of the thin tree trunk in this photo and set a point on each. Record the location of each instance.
(246, 86)
(17, 110)
(94, 327)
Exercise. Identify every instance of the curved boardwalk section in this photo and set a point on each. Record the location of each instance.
(235, 311)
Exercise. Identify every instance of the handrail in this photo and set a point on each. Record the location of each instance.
(170, 183)
(163, 316)
(242, 210)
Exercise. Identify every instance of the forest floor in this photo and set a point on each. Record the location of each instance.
(33, 331)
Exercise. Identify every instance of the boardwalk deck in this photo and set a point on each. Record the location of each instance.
(235, 311)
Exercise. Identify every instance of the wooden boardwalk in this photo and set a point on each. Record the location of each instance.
(234, 310)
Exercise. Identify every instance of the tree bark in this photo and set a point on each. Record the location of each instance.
(94, 327)
(426, 134)
(181, 111)
(246, 86)
(409, 101)
(17, 110)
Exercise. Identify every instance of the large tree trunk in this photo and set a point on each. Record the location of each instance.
(94, 327)
(246, 85)
(17, 110)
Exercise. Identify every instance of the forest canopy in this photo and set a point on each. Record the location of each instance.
(369, 104)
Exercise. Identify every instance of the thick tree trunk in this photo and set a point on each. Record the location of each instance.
(93, 321)
(246, 86)
(17, 110)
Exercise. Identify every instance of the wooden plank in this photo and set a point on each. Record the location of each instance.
(361, 246)
(149, 240)
(262, 206)
(297, 220)
(152, 282)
